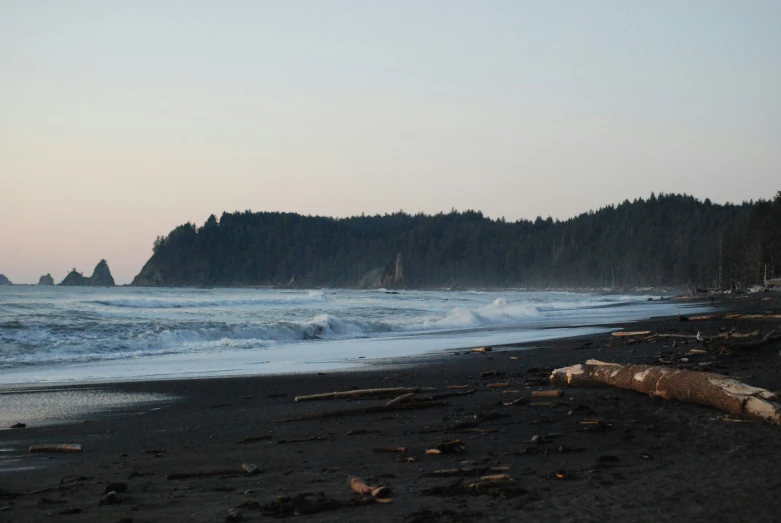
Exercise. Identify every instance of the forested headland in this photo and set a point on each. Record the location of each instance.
(667, 240)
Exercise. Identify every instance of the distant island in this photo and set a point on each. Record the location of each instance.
(46, 279)
(665, 240)
(101, 277)
(4, 280)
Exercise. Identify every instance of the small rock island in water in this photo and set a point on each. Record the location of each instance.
(101, 277)
(4, 280)
(46, 279)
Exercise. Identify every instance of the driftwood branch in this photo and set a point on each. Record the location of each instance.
(704, 388)
(770, 337)
(401, 399)
(365, 410)
(234, 471)
(362, 392)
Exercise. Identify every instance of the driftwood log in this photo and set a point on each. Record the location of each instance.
(396, 391)
(704, 388)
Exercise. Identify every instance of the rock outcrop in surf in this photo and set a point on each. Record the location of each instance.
(46, 279)
(390, 276)
(74, 279)
(101, 277)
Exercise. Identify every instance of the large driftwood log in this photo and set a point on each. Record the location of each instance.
(705, 388)
(396, 391)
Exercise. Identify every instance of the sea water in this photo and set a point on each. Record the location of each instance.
(80, 335)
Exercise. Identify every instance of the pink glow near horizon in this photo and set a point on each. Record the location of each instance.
(122, 120)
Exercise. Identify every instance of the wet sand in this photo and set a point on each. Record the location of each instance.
(647, 460)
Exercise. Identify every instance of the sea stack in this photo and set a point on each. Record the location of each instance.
(74, 279)
(101, 276)
(4, 280)
(46, 279)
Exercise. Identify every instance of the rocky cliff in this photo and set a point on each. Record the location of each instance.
(46, 279)
(4, 280)
(149, 276)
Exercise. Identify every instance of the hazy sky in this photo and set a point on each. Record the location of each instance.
(121, 119)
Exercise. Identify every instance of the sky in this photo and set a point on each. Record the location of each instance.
(122, 120)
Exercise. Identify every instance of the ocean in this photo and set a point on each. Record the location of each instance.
(56, 335)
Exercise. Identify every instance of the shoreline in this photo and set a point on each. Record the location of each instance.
(700, 467)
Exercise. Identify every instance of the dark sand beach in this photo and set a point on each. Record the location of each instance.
(646, 460)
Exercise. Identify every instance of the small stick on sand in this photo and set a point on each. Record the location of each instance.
(365, 410)
(236, 471)
(56, 447)
(363, 392)
(390, 449)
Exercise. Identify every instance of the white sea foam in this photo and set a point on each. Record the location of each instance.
(59, 326)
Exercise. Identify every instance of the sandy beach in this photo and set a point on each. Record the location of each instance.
(588, 455)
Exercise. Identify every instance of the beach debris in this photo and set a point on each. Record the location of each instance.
(56, 447)
(303, 440)
(234, 515)
(705, 388)
(401, 399)
(514, 403)
(18, 425)
(362, 431)
(482, 350)
(534, 382)
(556, 393)
(502, 385)
(75, 478)
(395, 391)
(458, 386)
(443, 395)
(404, 459)
(500, 485)
(251, 469)
(390, 449)
(254, 439)
(481, 471)
(301, 504)
(493, 374)
(233, 471)
(115, 487)
(770, 337)
(622, 334)
(447, 447)
(365, 410)
(111, 498)
(358, 486)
